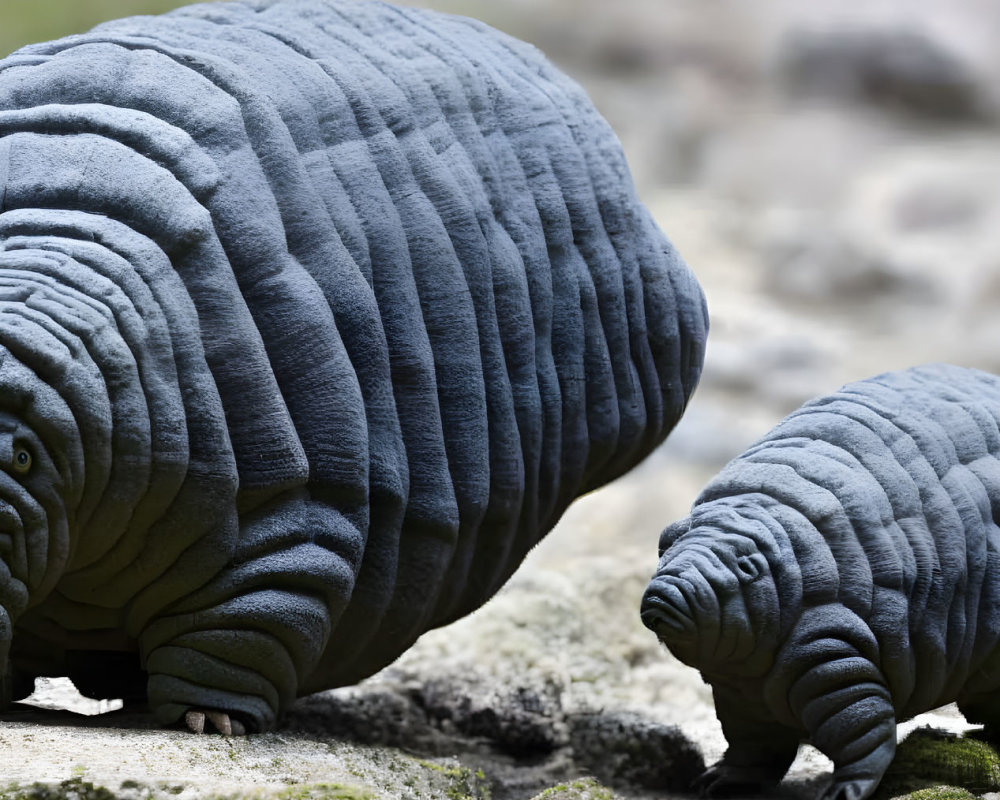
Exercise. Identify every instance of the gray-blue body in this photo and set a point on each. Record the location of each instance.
(843, 575)
(315, 316)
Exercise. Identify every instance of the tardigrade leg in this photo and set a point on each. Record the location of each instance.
(102, 674)
(235, 651)
(759, 753)
(830, 683)
(983, 709)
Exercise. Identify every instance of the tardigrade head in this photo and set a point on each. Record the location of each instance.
(37, 440)
(713, 600)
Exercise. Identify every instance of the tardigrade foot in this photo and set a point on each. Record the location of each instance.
(729, 781)
(221, 721)
(849, 790)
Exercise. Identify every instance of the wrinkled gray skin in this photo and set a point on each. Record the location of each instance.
(842, 575)
(314, 318)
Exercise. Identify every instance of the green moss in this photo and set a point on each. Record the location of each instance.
(73, 789)
(311, 791)
(939, 793)
(324, 791)
(465, 783)
(78, 789)
(934, 761)
(581, 789)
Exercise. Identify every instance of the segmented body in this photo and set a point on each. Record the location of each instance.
(875, 510)
(323, 312)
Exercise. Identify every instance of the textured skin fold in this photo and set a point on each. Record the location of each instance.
(872, 514)
(315, 315)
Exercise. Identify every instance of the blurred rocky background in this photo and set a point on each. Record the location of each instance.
(831, 171)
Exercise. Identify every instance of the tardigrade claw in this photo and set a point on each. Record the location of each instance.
(848, 790)
(728, 781)
(221, 721)
(195, 720)
(703, 783)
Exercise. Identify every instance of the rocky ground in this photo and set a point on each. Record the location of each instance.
(832, 172)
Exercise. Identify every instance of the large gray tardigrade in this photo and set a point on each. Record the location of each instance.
(842, 575)
(315, 316)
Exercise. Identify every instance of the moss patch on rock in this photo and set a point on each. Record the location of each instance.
(73, 789)
(581, 789)
(935, 765)
(79, 789)
(465, 783)
(939, 793)
(324, 791)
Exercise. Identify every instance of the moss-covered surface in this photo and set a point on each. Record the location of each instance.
(581, 789)
(317, 791)
(939, 793)
(464, 783)
(79, 789)
(73, 789)
(459, 783)
(932, 765)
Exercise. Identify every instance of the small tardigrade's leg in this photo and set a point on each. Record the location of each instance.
(983, 709)
(234, 652)
(14, 686)
(840, 697)
(759, 753)
(102, 675)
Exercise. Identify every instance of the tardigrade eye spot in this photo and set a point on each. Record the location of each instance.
(749, 567)
(22, 460)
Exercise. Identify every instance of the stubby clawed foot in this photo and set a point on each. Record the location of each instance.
(849, 790)
(223, 723)
(728, 781)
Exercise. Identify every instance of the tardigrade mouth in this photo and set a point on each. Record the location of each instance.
(666, 610)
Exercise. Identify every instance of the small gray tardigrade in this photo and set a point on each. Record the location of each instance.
(314, 317)
(842, 575)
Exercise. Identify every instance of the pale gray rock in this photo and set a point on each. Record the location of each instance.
(808, 257)
(629, 750)
(897, 69)
(439, 715)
